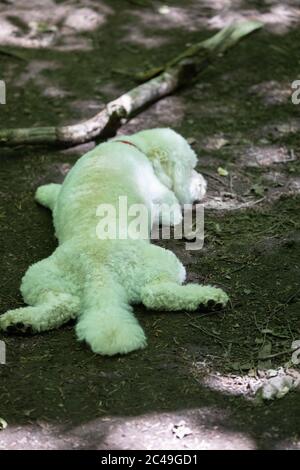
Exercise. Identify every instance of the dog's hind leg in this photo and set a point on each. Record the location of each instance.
(170, 296)
(163, 290)
(52, 311)
(51, 301)
(107, 322)
(47, 194)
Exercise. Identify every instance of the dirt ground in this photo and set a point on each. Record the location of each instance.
(194, 386)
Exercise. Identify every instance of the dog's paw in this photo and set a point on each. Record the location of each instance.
(17, 321)
(215, 299)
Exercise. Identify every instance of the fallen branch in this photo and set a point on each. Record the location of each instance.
(160, 83)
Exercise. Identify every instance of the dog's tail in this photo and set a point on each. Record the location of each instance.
(47, 195)
(107, 322)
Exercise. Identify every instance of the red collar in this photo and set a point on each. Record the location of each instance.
(128, 143)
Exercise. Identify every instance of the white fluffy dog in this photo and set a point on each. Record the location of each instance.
(97, 281)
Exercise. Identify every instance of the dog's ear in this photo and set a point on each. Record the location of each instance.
(161, 165)
(181, 179)
(175, 175)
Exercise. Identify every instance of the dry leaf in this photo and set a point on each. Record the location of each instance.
(222, 171)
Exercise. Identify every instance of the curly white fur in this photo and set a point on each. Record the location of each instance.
(97, 281)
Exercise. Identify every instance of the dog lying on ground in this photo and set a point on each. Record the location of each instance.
(97, 280)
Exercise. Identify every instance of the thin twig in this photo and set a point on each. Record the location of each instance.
(209, 333)
(270, 356)
(216, 178)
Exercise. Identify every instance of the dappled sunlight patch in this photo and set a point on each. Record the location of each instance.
(49, 24)
(34, 71)
(202, 428)
(233, 384)
(137, 36)
(222, 4)
(189, 17)
(168, 112)
(281, 17)
(214, 142)
(192, 18)
(278, 19)
(40, 435)
(272, 92)
(276, 177)
(279, 130)
(225, 203)
(64, 26)
(55, 92)
(252, 384)
(278, 16)
(7, 30)
(84, 19)
(282, 183)
(266, 155)
(236, 384)
(295, 185)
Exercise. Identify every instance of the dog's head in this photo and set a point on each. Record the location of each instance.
(173, 161)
